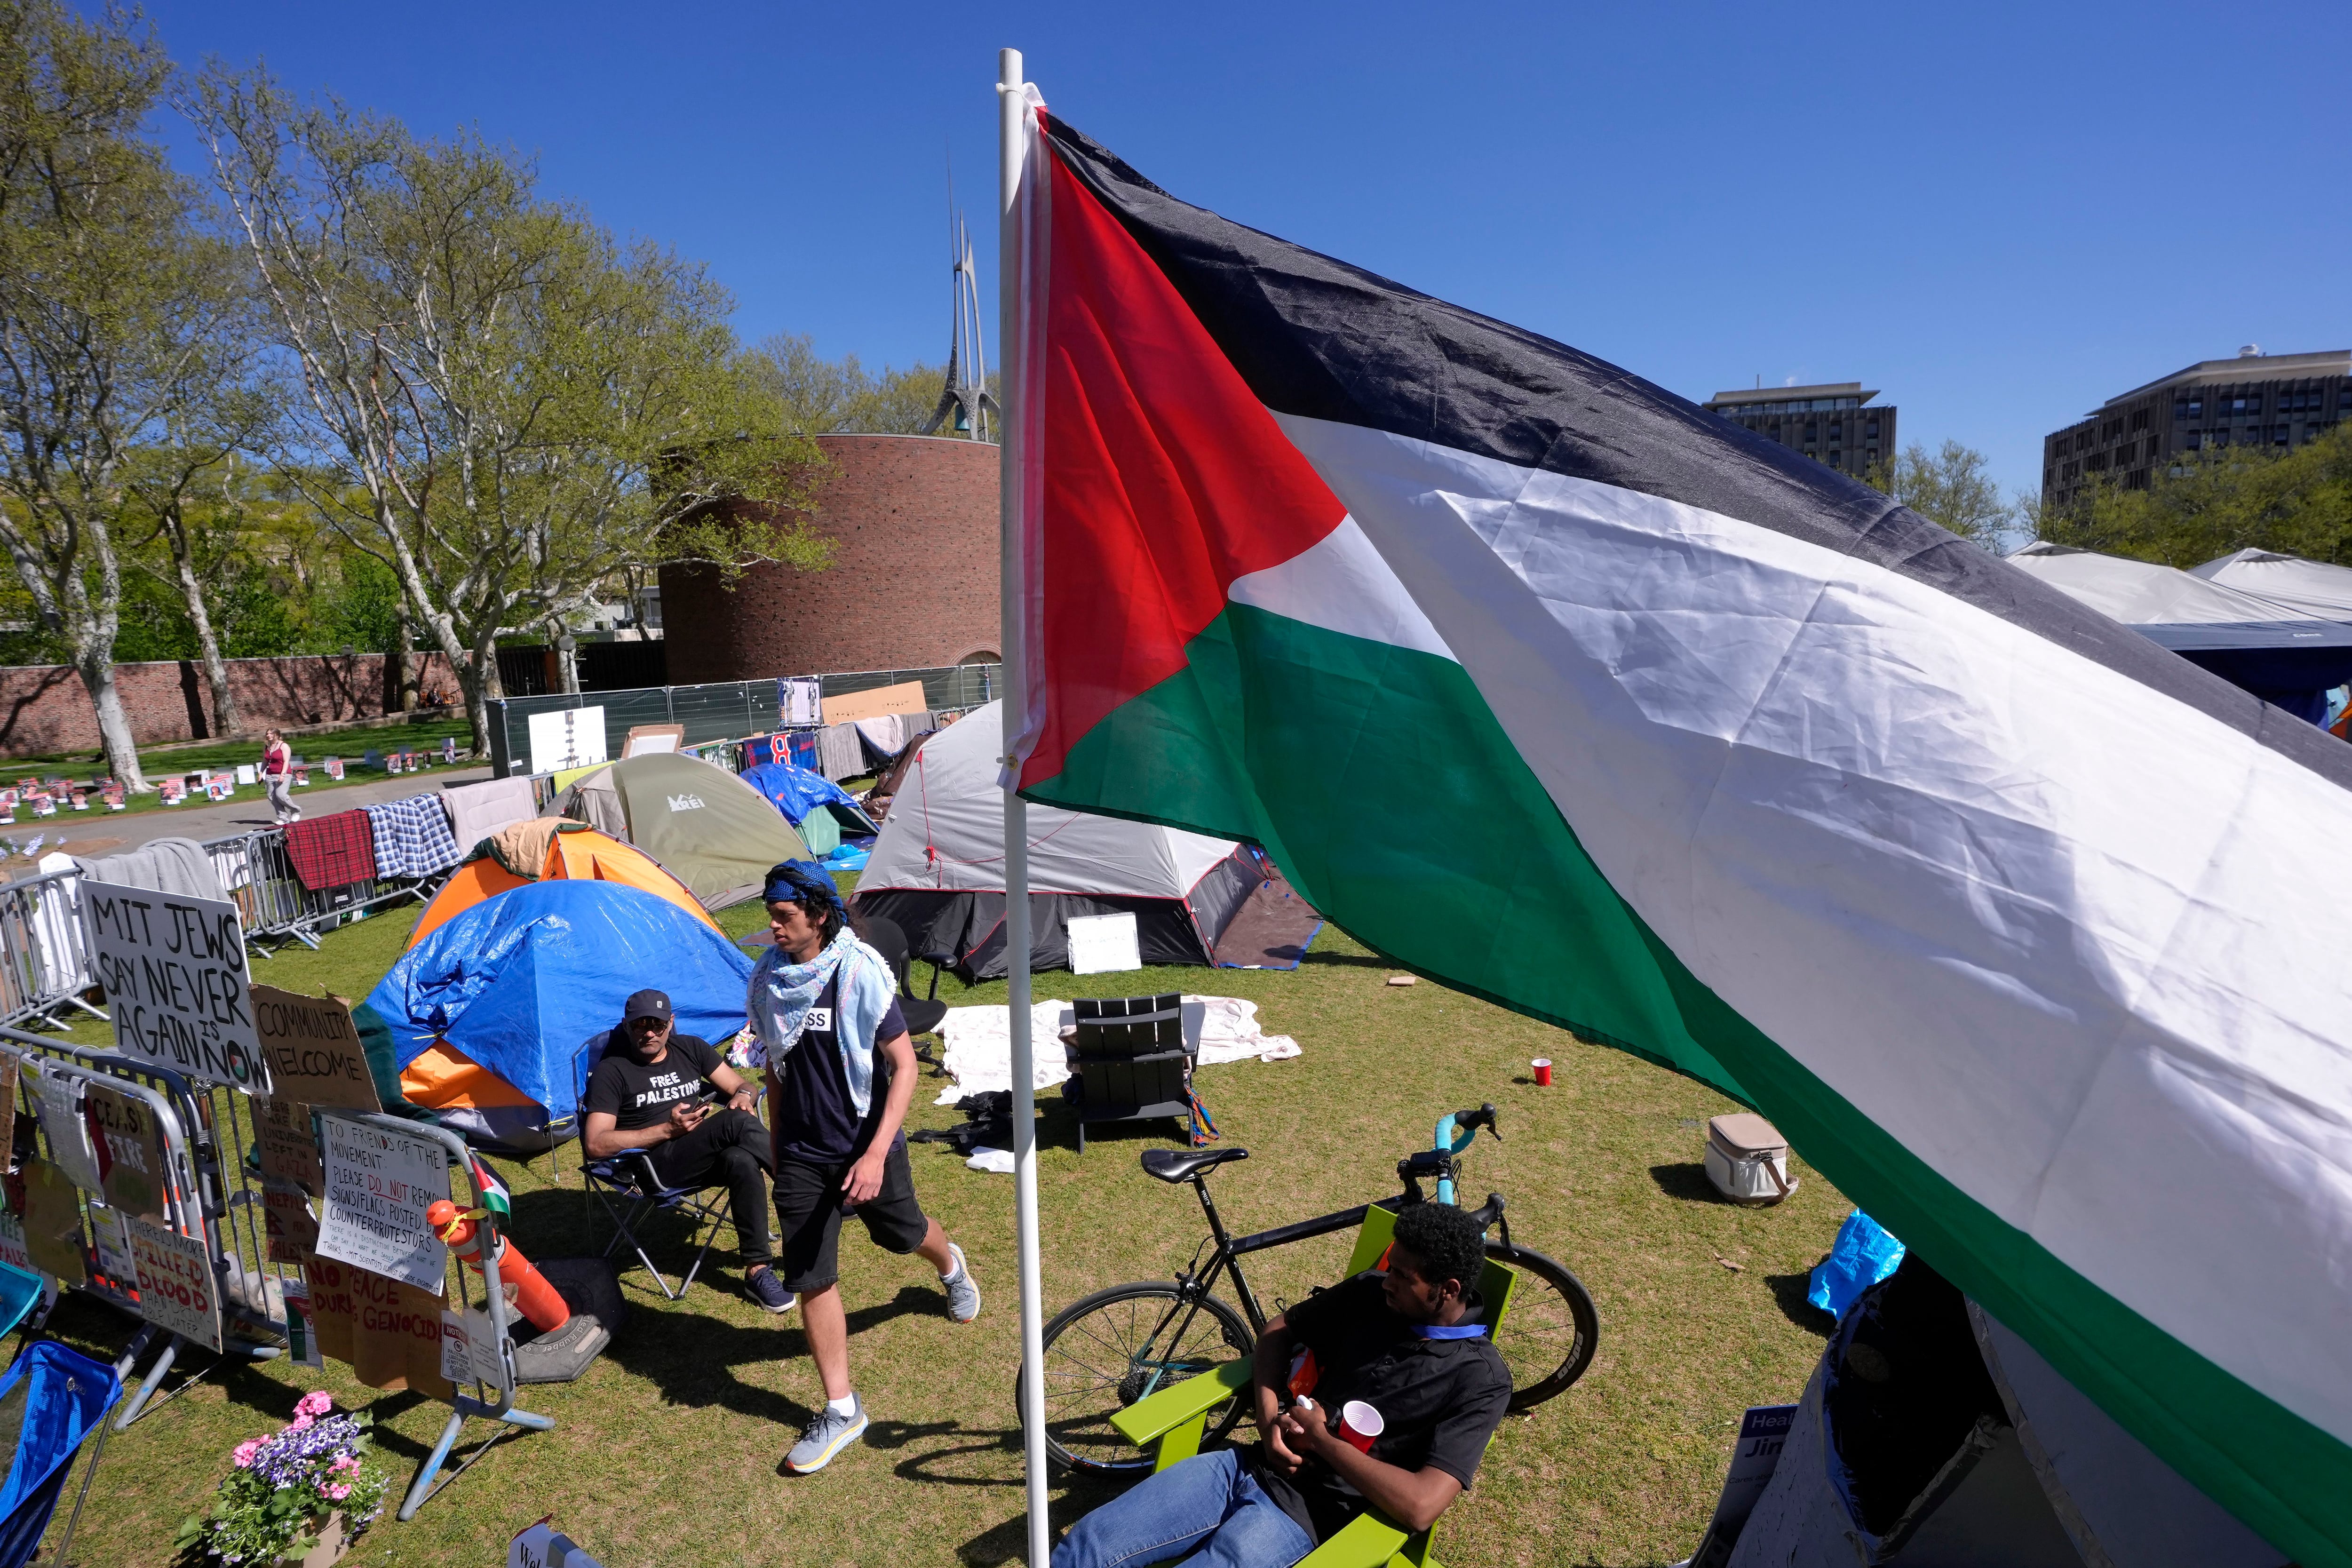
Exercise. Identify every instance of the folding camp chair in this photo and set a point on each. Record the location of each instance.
(54, 1399)
(1171, 1422)
(630, 1192)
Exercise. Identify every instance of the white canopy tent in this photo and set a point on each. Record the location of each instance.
(2143, 594)
(2310, 588)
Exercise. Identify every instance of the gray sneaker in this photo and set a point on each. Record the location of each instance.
(963, 1294)
(825, 1436)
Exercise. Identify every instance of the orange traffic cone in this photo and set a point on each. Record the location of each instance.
(539, 1301)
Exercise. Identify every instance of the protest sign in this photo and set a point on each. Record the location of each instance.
(56, 1100)
(12, 1243)
(286, 1216)
(129, 1150)
(176, 1288)
(110, 1235)
(906, 697)
(288, 1148)
(543, 1546)
(470, 1350)
(7, 1105)
(379, 1184)
(53, 1234)
(313, 1051)
(301, 1328)
(389, 1332)
(174, 969)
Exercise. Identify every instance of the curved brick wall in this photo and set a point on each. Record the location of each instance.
(913, 581)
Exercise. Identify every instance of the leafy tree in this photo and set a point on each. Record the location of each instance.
(1954, 489)
(109, 296)
(2214, 502)
(829, 397)
(503, 404)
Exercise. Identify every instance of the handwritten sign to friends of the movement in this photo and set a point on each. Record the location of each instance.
(130, 1150)
(174, 969)
(288, 1149)
(314, 1049)
(176, 1288)
(379, 1184)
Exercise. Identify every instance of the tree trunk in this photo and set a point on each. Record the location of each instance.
(478, 678)
(403, 648)
(113, 722)
(225, 717)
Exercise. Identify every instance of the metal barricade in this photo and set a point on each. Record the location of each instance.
(44, 965)
(272, 900)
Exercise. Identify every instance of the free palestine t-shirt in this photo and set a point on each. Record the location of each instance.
(638, 1095)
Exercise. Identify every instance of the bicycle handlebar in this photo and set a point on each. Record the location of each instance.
(1471, 1121)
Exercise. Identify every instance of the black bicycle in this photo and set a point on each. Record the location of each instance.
(1117, 1346)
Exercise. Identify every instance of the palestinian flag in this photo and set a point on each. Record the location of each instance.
(1558, 689)
(489, 1192)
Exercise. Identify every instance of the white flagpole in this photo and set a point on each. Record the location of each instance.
(1011, 108)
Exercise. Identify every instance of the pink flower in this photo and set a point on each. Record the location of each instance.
(345, 1462)
(338, 1491)
(316, 1402)
(243, 1457)
(298, 1424)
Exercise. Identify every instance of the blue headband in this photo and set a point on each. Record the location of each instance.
(791, 883)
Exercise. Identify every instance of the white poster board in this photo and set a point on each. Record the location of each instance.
(176, 1288)
(1104, 945)
(174, 968)
(379, 1184)
(470, 1351)
(59, 1105)
(567, 738)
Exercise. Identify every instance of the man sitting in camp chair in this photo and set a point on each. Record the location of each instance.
(646, 1093)
(1406, 1342)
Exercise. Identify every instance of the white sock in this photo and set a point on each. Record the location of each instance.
(953, 1272)
(846, 1406)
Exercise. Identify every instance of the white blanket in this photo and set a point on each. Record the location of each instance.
(979, 1055)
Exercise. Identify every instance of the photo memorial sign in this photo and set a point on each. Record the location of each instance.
(174, 972)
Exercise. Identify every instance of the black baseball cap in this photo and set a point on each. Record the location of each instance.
(645, 1004)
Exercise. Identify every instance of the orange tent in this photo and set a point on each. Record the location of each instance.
(572, 849)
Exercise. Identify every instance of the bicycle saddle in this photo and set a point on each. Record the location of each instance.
(1184, 1164)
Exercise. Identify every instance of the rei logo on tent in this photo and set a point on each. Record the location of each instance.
(685, 803)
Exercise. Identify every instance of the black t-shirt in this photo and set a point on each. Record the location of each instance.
(638, 1095)
(816, 1122)
(1440, 1399)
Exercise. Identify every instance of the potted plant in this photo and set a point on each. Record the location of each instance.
(301, 1496)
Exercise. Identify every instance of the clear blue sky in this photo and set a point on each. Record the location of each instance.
(1999, 215)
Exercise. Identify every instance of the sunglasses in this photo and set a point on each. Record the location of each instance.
(650, 1026)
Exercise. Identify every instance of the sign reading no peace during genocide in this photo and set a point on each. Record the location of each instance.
(379, 1184)
(176, 1288)
(314, 1049)
(174, 969)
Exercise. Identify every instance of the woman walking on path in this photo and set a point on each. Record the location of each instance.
(277, 773)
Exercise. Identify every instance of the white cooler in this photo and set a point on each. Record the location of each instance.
(1748, 1160)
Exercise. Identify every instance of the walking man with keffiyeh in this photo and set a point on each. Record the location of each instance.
(841, 1072)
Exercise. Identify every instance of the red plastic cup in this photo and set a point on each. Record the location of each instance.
(1543, 1071)
(1360, 1424)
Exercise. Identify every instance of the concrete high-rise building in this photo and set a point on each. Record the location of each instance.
(2274, 401)
(1835, 423)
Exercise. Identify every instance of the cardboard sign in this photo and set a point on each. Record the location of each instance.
(286, 1217)
(567, 738)
(58, 1101)
(174, 972)
(906, 697)
(301, 1327)
(110, 1235)
(130, 1150)
(379, 1184)
(53, 1237)
(288, 1147)
(645, 740)
(389, 1332)
(470, 1350)
(542, 1546)
(12, 1244)
(8, 1068)
(314, 1049)
(176, 1288)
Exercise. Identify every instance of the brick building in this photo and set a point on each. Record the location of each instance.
(2274, 401)
(1833, 424)
(45, 709)
(913, 583)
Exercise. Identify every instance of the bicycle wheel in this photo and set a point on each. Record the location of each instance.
(1550, 1331)
(1106, 1351)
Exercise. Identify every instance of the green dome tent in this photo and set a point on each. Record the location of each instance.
(707, 828)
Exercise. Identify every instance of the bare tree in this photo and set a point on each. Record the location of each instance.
(508, 407)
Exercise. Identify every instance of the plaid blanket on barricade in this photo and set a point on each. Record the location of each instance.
(412, 837)
(332, 851)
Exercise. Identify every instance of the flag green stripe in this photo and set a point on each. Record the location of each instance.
(1380, 782)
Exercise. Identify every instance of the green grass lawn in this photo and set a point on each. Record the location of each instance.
(667, 1452)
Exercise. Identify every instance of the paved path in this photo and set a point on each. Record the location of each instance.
(94, 832)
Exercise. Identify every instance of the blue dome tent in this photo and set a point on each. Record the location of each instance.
(492, 1016)
(824, 814)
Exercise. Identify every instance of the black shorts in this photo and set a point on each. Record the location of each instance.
(809, 1212)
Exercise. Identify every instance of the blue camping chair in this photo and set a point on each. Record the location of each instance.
(51, 1400)
(626, 1185)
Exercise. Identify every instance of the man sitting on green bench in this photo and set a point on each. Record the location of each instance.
(1408, 1343)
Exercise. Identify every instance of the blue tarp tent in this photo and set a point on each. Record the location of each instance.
(801, 796)
(521, 982)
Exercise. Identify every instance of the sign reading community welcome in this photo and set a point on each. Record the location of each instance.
(314, 1049)
(174, 974)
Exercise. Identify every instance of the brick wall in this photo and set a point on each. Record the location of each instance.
(913, 581)
(45, 709)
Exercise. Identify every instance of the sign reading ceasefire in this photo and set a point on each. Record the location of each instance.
(174, 969)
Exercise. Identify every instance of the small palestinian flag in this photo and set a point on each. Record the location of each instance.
(1554, 687)
(489, 1192)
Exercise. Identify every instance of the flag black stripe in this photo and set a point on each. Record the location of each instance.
(1319, 338)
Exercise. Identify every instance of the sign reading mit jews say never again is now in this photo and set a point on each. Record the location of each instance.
(174, 969)
(312, 1049)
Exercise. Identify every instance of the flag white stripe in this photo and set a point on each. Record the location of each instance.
(1341, 584)
(2074, 945)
